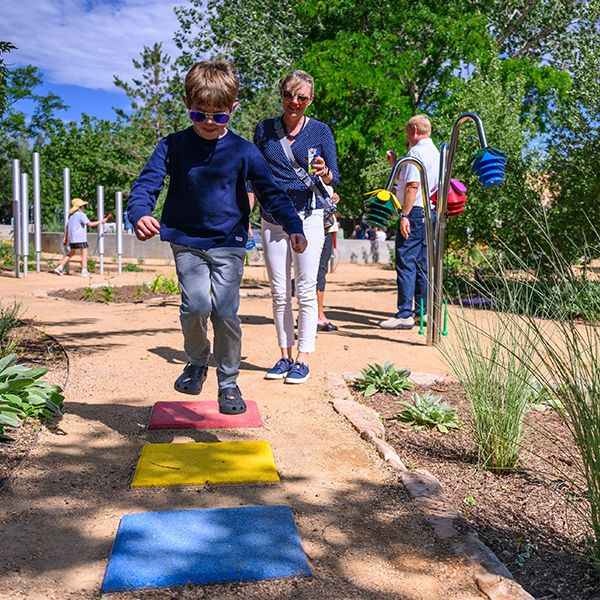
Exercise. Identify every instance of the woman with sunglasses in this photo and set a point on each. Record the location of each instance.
(302, 156)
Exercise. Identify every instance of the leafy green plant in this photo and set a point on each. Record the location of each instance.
(7, 257)
(164, 285)
(107, 293)
(139, 292)
(525, 551)
(132, 268)
(23, 395)
(470, 501)
(91, 265)
(89, 294)
(376, 378)
(428, 410)
(9, 319)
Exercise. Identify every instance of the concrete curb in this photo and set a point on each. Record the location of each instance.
(491, 575)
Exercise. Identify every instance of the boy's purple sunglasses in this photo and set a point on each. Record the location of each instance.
(220, 118)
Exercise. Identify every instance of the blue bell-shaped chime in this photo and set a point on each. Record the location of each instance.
(489, 165)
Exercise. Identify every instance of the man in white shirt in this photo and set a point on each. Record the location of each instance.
(411, 240)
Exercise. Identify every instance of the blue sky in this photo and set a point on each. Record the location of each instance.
(80, 44)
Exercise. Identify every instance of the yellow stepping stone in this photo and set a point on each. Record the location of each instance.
(202, 463)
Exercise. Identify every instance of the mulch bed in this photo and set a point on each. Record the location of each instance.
(522, 515)
(138, 294)
(35, 349)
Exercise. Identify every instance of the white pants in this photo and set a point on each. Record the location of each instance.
(279, 258)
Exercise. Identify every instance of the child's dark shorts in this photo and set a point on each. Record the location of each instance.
(79, 245)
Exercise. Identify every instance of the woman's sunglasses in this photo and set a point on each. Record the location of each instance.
(301, 99)
(220, 118)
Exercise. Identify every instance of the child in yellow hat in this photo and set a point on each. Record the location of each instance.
(76, 235)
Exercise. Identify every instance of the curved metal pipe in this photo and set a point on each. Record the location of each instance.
(447, 153)
(429, 233)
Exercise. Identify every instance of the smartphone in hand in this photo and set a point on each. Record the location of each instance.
(312, 154)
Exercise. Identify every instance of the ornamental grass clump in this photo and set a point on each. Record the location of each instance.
(376, 378)
(562, 355)
(496, 382)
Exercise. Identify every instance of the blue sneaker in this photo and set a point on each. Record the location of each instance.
(280, 370)
(298, 373)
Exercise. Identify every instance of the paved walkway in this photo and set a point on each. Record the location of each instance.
(362, 535)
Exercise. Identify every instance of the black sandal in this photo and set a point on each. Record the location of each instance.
(231, 401)
(191, 380)
(329, 326)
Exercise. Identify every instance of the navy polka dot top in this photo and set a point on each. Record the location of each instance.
(314, 135)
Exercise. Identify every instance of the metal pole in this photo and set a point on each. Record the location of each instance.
(37, 210)
(119, 210)
(16, 186)
(66, 206)
(66, 194)
(447, 154)
(100, 197)
(24, 221)
(440, 229)
(428, 228)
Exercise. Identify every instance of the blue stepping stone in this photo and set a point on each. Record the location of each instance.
(213, 545)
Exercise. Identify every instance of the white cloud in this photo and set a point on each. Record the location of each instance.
(85, 43)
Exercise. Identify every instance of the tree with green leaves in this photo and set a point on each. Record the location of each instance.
(5, 47)
(19, 134)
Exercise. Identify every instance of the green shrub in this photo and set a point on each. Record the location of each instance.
(132, 268)
(24, 395)
(7, 257)
(89, 294)
(428, 410)
(91, 265)
(107, 293)
(388, 379)
(164, 285)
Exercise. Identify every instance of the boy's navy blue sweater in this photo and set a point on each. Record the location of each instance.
(207, 203)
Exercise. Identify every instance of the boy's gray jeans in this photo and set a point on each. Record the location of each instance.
(210, 286)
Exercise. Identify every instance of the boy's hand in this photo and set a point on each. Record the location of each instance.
(146, 228)
(298, 242)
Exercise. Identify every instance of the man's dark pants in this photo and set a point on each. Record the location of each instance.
(411, 266)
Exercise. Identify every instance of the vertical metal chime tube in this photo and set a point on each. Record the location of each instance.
(16, 188)
(100, 197)
(66, 194)
(119, 210)
(66, 206)
(37, 211)
(24, 221)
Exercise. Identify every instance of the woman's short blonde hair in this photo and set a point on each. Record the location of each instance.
(212, 83)
(296, 79)
(422, 124)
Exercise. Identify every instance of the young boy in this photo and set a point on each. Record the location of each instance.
(76, 235)
(205, 218)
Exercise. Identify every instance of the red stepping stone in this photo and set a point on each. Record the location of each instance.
(201, 415)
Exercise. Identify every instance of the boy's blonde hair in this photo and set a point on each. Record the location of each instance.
(296, 79)
(212, 83)
(422, 124)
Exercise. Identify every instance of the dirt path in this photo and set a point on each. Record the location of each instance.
(362, 535)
